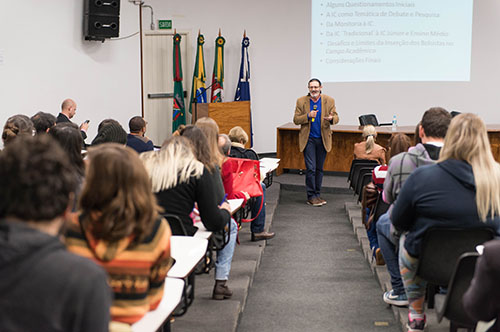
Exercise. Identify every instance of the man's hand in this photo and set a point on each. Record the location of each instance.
(84, 126)
(312, 114)
(329, 117)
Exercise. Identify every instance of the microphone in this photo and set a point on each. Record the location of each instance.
(315, 107)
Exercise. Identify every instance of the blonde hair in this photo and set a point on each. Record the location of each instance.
(467, 140)
(211, 130)
(369, 133)
(238, 135)
(174, 164)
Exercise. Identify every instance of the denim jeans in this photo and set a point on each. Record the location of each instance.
(388, 248)
(371, 232)
(225, 256)
(415, 286)
(257, 225)
(314, 157)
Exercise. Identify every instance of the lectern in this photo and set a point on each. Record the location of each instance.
(227, 115)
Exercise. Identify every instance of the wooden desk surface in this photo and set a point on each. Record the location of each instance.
(343, 138)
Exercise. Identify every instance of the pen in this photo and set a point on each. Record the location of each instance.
(224, 199)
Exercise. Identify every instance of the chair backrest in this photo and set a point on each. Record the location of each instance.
(237, 152)
(357, 162)
(441, 247)
(176, 225)
(364, 179)
(459, 283)
(368, 119)
(381, 207)
(359, 171)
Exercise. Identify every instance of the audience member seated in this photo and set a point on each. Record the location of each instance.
(368, 149)
(258, 206)
(69, 138)
(461, 190)
(180, 179)
(482, 299)
(110, 131)
(432, 130)
(239, 138)
(43, 122)
(398, 143)
(68, 111)
(224, 256)
(136, 139)
(43, 286)
(120, 229)
(17, 125)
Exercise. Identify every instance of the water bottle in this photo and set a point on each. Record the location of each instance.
(394, 123)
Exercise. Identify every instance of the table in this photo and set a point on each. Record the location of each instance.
(343, 138)
(153, 320)
(187, 252)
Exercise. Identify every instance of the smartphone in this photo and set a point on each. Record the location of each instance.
(87, 121)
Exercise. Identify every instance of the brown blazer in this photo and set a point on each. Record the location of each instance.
(302, 108)
(378, 152)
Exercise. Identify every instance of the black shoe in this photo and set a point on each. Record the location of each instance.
(262, 236)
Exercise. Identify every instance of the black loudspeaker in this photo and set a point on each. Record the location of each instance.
(101, 19)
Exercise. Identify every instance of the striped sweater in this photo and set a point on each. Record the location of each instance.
(136, 273)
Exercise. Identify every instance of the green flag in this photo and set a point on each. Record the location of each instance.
(178, 113)
(218, 75)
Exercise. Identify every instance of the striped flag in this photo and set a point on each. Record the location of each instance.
(218, 74)
(178, 114)
(243, 89)
(198, 91)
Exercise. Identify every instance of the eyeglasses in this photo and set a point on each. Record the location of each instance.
(314, 87)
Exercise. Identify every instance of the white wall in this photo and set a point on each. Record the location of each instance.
(46, 60)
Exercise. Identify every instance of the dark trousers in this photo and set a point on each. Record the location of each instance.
(314, 156)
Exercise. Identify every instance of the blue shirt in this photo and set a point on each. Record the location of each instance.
(316, 124)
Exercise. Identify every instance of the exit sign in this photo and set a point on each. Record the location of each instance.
(165, 24)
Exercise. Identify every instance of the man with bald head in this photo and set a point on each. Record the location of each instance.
(68, 110)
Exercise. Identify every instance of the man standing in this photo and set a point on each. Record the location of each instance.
(68, 110)
(315, 113)
(136, 139)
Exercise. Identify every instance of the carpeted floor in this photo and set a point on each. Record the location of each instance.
(313, 276)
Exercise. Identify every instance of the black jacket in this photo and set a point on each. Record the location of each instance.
(63, 118)
(43, 287)
(443, 194)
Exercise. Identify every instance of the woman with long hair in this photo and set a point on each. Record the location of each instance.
(461, 190)
(120, 229)
(368, 149)
(210, 129)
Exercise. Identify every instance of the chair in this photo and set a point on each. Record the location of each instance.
(371, 119)
(441, 247)
(363, 180)
(381, 207)
(450, 305)
(359, 161)
(176, 225)
(358, 172)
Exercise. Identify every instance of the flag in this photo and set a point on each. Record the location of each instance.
(198, 91)
(178, 113)
(218, 75)
(243, 89)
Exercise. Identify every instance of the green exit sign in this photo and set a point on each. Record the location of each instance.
(165, 24)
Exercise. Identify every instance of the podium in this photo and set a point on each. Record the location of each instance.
(227, 115)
